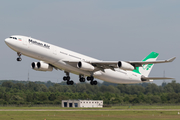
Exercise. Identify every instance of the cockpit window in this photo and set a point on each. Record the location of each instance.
(14, 38)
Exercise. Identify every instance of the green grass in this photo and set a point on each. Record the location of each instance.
(113, 107)
(110, 113)
(146, 107)
(88, 115)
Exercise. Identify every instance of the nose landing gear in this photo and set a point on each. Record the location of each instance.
(19, 58)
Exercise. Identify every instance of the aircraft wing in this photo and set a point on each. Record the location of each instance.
(113, 64)
(101, 65)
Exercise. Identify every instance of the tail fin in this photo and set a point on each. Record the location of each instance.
(146, 69)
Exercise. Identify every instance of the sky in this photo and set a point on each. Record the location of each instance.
(114, 30)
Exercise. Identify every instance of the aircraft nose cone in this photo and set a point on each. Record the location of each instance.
(11, 43)
(7, 40)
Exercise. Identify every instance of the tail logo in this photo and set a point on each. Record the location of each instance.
(147, 67)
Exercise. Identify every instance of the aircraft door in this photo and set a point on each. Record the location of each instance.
(24, 41)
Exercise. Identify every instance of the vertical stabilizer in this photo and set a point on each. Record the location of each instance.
(146, 69)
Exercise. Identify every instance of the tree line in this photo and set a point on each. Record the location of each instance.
(30, 93)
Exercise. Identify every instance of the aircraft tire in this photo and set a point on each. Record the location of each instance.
(91, 83)
(64, 78)
(68, 82)
(83, 79)
(19, 59)
(71, 82)
(95, 82)
(68, 78)
(88, 78)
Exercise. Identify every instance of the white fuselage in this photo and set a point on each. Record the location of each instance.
(56, 56)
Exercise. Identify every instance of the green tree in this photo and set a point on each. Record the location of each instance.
(52, 97)
(7, 84)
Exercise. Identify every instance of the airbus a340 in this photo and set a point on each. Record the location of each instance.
(51, 56)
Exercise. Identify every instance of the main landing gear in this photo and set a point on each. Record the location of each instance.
(91, 78)
(67, 78)
(19, 58)
(81, 78)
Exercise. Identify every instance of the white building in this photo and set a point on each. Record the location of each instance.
(82, 103)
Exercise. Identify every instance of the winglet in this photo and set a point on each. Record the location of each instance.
(172, 59)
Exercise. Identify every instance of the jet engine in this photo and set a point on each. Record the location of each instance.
(41, 66)
(125, 66)
(85, 66)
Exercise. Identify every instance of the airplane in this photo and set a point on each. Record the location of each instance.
(53, 57)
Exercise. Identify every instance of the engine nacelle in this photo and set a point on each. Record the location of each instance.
(41, 66)
(34, 66)
(85, 66)
(125, 66)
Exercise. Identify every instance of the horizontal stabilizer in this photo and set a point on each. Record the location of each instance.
(154, 78)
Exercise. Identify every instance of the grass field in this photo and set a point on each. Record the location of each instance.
(113, 107)
(114, 113)
(88, 115)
